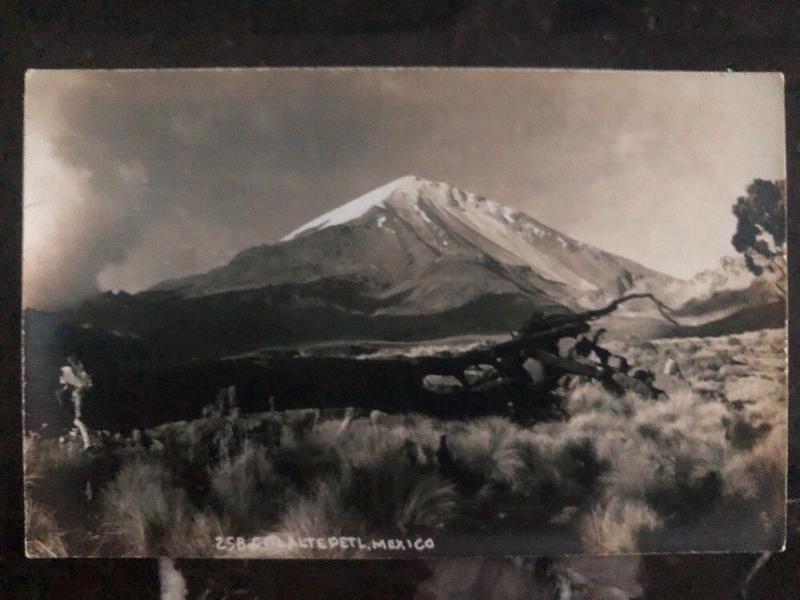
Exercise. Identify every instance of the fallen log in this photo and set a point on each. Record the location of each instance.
(127, 399)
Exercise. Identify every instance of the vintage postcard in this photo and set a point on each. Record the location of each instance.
(371, 313)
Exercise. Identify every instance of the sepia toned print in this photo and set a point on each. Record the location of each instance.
(361, 313)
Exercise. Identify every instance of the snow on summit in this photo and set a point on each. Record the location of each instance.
(409, 189)
(354, 208)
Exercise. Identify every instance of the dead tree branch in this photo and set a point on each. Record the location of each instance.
(281, 381)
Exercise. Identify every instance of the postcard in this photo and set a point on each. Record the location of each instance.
(403, 312)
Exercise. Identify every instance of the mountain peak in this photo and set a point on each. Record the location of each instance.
(357, 207)
(429, 244)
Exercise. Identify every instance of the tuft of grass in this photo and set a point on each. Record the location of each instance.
(318, 515)
(144, 510)
(652, 448)
(42, 457)
(488, 448)
(247, 490)
(391, 495)
(43, 538)
(615, 526)
(195, 537)
(429, 505)
(756, 479)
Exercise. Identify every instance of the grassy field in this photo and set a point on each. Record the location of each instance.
(703, 470)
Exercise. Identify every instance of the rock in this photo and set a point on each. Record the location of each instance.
(535, 369)
(479, 373)
(671, 367)
(565, 345)
(441, 384)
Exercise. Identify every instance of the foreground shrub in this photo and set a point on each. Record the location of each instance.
(43, 539)
(430, 504)
(44, 457)
(755, 481)
(488, 448)
(615, 527)
(320, 514)
(143, 509)
(554, 475)
(391, 494)
(247, 490)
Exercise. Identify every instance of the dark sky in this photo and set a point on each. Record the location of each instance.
(132, 177)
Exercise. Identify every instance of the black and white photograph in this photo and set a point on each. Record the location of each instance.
(403, 312)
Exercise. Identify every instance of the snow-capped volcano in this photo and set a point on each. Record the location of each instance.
(417, 246)
(443, 215)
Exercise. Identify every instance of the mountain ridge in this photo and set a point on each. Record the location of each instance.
(428, 236)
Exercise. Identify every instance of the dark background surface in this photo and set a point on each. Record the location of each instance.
(649, 34)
